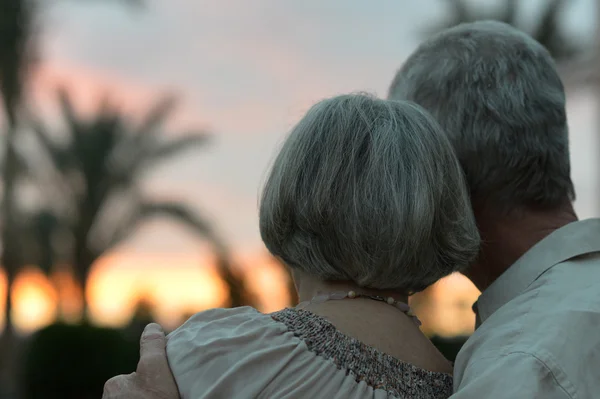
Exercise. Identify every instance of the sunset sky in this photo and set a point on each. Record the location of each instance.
(246, 71)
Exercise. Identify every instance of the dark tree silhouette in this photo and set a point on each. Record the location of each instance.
(239, 293)
(98, 169)
(16, 59)
(18, 53)
(548, 29)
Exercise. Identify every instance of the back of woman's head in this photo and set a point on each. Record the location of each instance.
(369, 191)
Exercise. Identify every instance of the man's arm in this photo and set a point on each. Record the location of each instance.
(514, 375)
(153, 378)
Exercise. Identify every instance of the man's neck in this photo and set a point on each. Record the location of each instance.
(505, 238)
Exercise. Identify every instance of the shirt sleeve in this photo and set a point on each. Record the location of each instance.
(222, 352)
(514, 375)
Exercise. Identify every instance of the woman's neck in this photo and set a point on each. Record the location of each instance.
(309, 287)
(374, 323)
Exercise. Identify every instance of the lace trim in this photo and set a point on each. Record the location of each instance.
(363, 362)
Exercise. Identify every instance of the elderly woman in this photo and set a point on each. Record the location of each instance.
(366, 205)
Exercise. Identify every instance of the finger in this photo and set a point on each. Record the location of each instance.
(153, 341)
(116, 386)
(153, 354)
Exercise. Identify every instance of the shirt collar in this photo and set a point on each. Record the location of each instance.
(574, 239)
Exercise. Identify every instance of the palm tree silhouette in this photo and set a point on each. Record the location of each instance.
(16, 59)
(548, 29)
(95, 199)
(18, 55)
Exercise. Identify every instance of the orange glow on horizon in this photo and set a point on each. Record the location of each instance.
(69, 295)
(268, 283)
(177, 286)
(2, 297)
(115, 288)
(445, 307)
(34, 300)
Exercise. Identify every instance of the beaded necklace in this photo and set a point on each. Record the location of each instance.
(337, 295)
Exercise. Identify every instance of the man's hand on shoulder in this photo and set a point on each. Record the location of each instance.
(153, 378)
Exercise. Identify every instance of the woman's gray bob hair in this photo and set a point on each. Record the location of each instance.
(369, 191)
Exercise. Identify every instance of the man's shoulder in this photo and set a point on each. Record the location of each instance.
(563, 303)
(553, 321)
(515, 375)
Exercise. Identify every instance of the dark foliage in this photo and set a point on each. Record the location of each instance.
(74, 362)
(99, 203)
(547, 29)
(449, 346)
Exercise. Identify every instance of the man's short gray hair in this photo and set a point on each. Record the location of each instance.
(369, 191)
(497, 93)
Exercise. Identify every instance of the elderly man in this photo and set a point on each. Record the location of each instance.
(498, 95)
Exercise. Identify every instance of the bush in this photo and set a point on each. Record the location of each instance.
(73, 362)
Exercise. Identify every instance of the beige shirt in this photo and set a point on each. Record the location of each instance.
(538, 327)
(290, 354)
